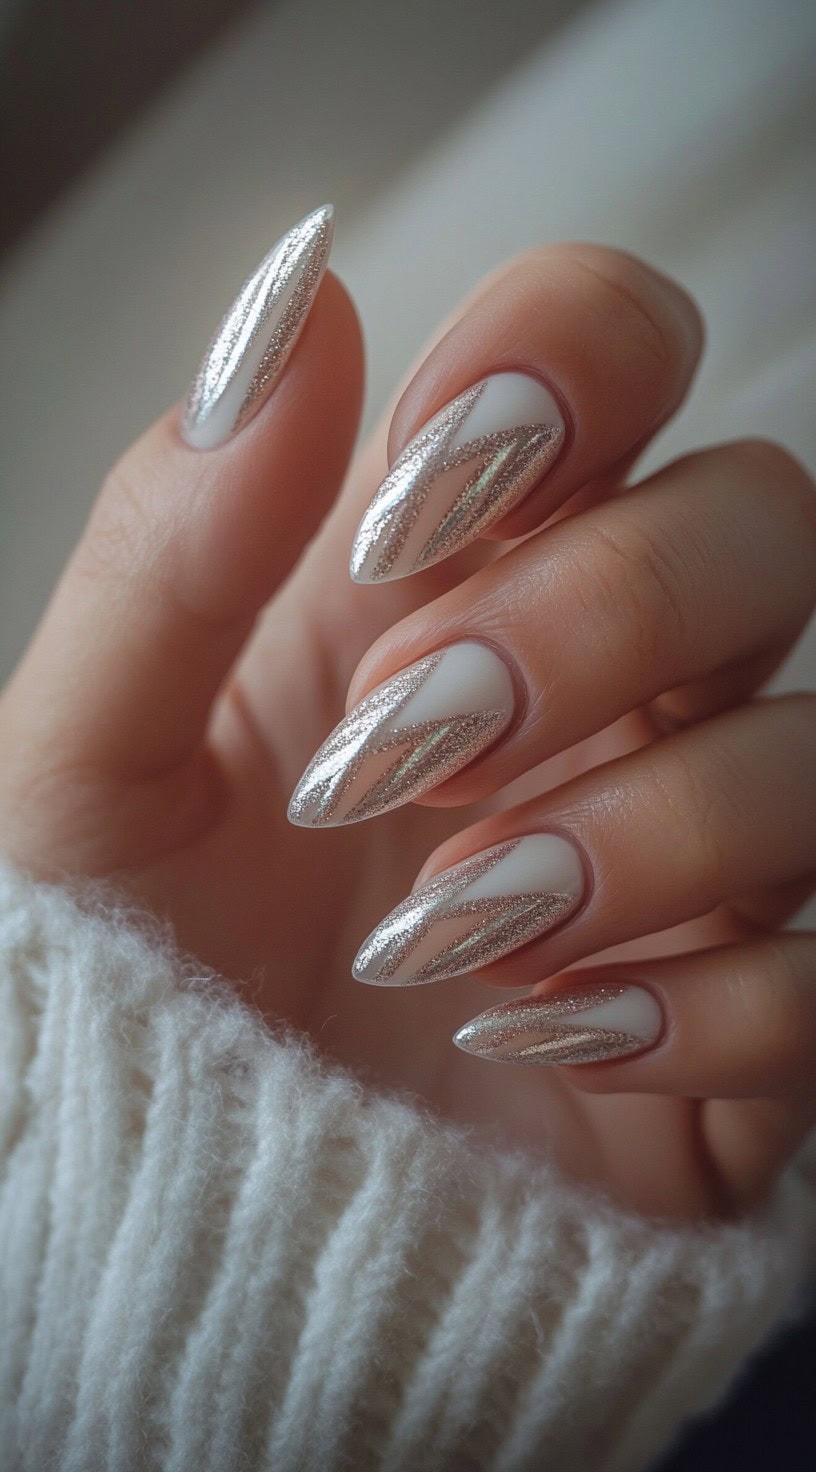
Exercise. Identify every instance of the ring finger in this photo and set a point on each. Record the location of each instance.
(646, 842)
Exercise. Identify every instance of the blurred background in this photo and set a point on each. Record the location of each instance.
(154, 149)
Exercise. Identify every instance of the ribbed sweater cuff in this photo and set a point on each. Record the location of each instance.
(217, 1253)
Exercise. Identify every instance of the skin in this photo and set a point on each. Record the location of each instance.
(194, 656)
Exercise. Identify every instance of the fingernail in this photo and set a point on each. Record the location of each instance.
(407, 736)
(477, 458)
(252, 344)
(588, 1025)
(478, 910)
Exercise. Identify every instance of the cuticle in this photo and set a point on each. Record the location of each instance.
(589, 886)
(521, 693)
(602, 978)
(558, 831)
(513, 366)
(521, 689)
(564, 406)
(646, 985)
(668, 1026)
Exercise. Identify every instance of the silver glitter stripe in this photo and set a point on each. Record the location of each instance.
(507, 464)
(515, 461)
(502, 923)
(427, 752)
(507, 924)
(399, 500)
(533, 1030)
(290, 274)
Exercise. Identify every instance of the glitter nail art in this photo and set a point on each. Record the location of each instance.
(256, 336)
(408, 756)
(404, 529)
(454, 923)
(588, 1025)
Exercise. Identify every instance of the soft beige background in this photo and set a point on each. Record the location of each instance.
(449, 135)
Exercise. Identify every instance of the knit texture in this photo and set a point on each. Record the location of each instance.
(217, 1254)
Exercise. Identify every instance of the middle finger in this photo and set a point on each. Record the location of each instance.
(708, 563)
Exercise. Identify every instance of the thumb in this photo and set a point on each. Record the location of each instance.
(185, 545)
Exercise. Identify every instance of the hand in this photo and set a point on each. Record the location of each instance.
(192, 660)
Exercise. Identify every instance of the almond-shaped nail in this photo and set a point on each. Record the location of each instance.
(588, 1025)
(254, 339)
(407, 736)
(474, 912)
(469, 465)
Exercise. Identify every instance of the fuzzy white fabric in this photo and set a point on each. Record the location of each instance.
(216, 1253)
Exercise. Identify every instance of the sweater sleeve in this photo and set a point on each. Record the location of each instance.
(217, 1253)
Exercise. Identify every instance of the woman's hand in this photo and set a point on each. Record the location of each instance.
(606, 665)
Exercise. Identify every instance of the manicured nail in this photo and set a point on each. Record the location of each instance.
(471, 914)
(252, 344)
(472, 462)
(585, 1026)
(407, 736)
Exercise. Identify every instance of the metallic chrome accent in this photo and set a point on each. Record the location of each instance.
(501, 923)
(531, 1030)
(426, 752)
(503, 467)
(263, 324)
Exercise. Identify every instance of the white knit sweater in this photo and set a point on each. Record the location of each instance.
(217, 1254)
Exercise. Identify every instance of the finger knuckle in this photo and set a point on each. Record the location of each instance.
(634, 297)
(701, 801)
(793, 719)
(642, 579)
(122, 529)
(641, 309)
(801, 703)
(776, 474)
(134, 523)
(769, 1005)
(767, 459)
